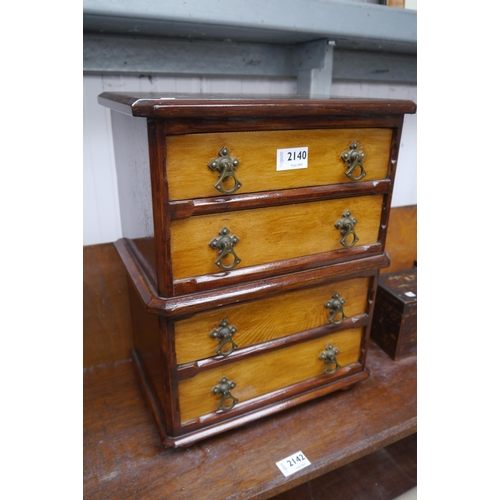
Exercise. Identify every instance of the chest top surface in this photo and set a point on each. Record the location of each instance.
(156, 104)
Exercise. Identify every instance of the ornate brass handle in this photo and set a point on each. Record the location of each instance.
(225, 336)
(354, 159)
(224, 243)
(225, 165)
(336, 307)
(329, 356)
(223, 390)
(346, 226)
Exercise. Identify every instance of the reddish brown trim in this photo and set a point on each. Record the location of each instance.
(183, 209)
(169, 370)
(264, 271)
(150, 394)
(181, 126)
(372, 293)
(183, 306)
(161, 217)
(151, 104)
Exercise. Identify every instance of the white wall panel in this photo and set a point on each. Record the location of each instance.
(101, 209)
(101, 214)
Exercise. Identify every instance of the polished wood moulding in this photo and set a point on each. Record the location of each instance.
(182, 306)
(202, 206)
(168, 105)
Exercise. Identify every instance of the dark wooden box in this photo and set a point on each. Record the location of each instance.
(394, 325)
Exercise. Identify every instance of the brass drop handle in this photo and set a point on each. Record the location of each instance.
(336, 308)
(224, 334)
(223, 390)
(329, 356)
(225, 243)
(225, 165)
(353, 157)
(346, 227)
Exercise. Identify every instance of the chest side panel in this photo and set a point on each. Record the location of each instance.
(130, 140)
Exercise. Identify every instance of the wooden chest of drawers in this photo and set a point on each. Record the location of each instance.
(253, 235)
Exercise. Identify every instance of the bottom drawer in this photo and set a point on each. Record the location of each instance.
(266, 373)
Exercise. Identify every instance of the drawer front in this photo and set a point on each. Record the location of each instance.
(266, 319)
(188, 157)
(267, 235)
(265, 373)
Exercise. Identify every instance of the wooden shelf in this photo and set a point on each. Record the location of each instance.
(124, 458)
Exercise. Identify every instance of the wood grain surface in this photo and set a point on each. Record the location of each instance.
(188, 157)
(124, 456)
(267, 319)
(401, 243)
(107, 329)
(266, 373)
(383, 475)
(271, 234)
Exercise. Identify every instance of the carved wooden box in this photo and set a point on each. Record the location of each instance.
(395, 315)
(253, 235)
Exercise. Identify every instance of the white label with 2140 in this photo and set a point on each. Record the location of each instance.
(292, 158)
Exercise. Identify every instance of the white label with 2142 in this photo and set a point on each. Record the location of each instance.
(292, 158)
(293, 463)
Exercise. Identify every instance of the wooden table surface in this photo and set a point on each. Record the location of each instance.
(124, 458)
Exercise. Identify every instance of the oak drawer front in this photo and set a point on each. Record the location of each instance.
(188, 157)
(267, 319)
(267, 372)
(267, 235)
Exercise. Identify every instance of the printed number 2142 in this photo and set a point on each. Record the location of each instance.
(294, 460)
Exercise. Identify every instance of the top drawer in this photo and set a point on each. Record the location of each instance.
(188, 158)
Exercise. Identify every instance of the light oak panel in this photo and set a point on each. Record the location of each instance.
(271, 234)
(401, 243)
(188, 156)
(268, 319)
(268, 372)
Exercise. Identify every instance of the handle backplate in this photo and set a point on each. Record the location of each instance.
(329, 356)
(225, 166)
(353, 157)
(225, 243)
(346, 227)
(224, 334)
(336, 308)
(223, 390)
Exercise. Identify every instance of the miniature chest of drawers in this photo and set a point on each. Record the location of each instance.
(253, 235)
